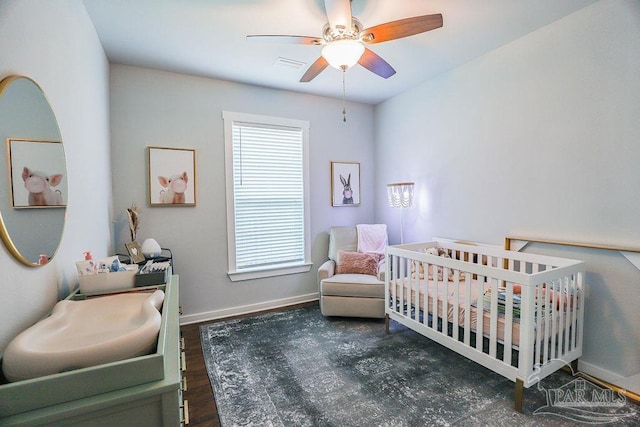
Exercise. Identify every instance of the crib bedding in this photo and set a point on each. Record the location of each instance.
(448, 288)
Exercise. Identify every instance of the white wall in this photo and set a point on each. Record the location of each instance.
(154, 108)
(540, 138)
(55, 44)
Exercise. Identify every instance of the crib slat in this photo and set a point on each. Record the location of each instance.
(456, 304)
(493, 319)
(553, 327)
(570, 317)
(467, 309)
(508, 323)
(394, 268)
(570, 313)
(576, 307)
(407, 287)
(395, 274)
(445, 299)
(480, 313)
(538, 333)
(562, 307)
(579, 310)
(416, 291)
(508, 331)
(387, 260)
(434, 297)
(401, 298)
(425, 296)
(547, 322)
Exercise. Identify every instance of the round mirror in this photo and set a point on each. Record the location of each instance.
(33, 200)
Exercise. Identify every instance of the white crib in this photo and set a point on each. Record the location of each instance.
(532, 306)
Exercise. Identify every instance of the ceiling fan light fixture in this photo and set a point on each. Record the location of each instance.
(343, 54)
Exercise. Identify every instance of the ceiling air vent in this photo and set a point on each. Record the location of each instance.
(289, 63)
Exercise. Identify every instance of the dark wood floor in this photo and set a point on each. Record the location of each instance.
(202, 403)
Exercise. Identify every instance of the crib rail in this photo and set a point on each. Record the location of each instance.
(520, 315)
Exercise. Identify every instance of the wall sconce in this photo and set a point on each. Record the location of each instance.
(400, 195)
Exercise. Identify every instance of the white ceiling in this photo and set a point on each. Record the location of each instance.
(207, 38)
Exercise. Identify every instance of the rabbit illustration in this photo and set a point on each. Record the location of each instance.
(347, 193)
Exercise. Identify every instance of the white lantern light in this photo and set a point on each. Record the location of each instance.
(400, 195)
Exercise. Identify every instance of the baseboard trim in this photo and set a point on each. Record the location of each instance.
(631, 384)
(247, 309)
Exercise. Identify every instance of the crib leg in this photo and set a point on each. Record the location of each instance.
(574, 367)
(386, 323)
(519, 395)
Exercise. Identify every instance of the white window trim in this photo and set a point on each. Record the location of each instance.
(247, 274)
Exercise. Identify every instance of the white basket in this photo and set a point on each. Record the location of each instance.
(101, 282)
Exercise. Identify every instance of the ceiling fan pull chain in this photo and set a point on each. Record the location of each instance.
(344, 96)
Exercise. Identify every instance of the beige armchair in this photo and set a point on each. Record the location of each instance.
(349, 294)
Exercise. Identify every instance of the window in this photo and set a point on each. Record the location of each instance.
(267, 195)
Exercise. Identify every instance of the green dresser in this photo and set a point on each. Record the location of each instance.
(142, 391)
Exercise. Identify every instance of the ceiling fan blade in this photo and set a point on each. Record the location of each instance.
(401, 28)
(374, 63)
(338, 13)
(314, 41)
(315, 69)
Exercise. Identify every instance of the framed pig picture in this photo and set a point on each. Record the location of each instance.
(172, 176)
(37, 173)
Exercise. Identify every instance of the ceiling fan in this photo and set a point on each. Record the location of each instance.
(343, 39)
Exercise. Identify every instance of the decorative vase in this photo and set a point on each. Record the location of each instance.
(151, 248)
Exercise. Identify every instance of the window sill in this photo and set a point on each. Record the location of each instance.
(259, 273)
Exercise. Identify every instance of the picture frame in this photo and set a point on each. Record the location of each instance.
(345, 184)
(172, 176)
(37, 173)
(135, 252)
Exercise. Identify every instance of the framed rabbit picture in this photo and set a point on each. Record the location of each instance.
(345, 183)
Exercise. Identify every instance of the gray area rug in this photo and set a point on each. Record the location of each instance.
(298, 368)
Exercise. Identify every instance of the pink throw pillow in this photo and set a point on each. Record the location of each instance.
(357, 263)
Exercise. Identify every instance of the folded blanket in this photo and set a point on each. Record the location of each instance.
(372, 238)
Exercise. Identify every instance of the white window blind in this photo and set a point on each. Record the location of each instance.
(267, 225)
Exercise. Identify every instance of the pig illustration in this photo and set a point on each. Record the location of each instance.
(39, 186)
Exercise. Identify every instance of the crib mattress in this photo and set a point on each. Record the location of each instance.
(446, 291)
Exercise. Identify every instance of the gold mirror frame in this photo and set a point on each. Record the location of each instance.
(30, 233)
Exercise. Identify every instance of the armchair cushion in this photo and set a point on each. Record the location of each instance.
(357, 263)
(353, 285)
